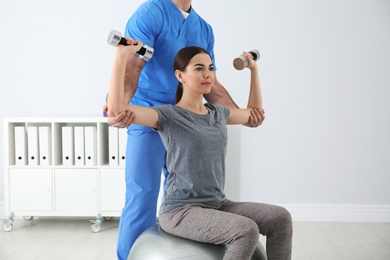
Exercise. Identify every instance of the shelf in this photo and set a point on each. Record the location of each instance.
(56, 166)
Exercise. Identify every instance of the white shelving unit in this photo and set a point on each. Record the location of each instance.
(41, 179)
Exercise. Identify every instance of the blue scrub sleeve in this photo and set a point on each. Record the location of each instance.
(144, 25)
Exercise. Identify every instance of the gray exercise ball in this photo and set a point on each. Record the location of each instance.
(155, 244)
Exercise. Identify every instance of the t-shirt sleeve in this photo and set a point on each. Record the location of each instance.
(224, 112)
(227, 113)
(163, 116)
(221, 113)
(144, 25)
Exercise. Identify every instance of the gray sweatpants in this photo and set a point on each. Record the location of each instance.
(235, 223)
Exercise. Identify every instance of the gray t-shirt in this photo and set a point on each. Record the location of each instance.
(196, 149)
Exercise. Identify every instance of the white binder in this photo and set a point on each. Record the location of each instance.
(44, 145)
(79, 146)
(67, 146)
(90, 141)
(113, 146)
(32, 146)
(122, 143)
(20, 146)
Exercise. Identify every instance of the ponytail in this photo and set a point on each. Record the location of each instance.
(179, 92)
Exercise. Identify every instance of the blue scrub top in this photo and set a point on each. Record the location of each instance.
(161, 25)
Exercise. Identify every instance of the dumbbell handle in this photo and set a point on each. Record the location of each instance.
(255, 54)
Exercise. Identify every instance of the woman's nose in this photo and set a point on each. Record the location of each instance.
(207, 74)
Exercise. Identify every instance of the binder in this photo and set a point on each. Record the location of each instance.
(122, 143)
(20, 146)
(90, 142)
(67, 146)
(44, 145)
(113, 146)
(79, 146)
(32, 146)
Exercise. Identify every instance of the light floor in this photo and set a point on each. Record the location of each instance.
(58, 239)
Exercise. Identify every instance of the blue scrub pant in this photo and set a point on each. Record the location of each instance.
(145, 161)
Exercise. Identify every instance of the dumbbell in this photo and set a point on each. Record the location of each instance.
(241, 61)
(114, 38)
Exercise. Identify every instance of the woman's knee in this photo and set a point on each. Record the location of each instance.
(248, 230)
(283, 220)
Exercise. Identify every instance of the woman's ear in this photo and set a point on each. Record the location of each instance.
(179, 75)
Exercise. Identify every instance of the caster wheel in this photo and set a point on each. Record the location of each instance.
(95, 228)
(7, 227)
(107, 218)
(28, 217)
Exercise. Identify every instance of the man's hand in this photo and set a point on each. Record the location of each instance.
(122, 120)
(257, 117)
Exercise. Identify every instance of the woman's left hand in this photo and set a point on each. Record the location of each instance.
(251, 62)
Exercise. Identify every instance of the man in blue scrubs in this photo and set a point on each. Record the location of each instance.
(167, 26)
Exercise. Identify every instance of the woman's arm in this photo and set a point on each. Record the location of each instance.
(116, 93)
(220, 96)
(241, 116)
(144, 116)
(133, 70)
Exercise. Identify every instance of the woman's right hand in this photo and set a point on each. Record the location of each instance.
(132, 47)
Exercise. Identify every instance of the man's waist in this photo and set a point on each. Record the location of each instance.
(148, 98)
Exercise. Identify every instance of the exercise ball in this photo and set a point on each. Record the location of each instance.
(155, 244)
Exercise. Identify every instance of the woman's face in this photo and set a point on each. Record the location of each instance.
(199, 75)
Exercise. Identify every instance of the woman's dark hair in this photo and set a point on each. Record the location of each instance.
(183, 57)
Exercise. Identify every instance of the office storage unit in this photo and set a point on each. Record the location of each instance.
(63, 167)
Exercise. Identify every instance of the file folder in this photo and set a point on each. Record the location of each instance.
(44, 145)
(67, 146)
(20, 146)
(122, 143)
(79, 146)
(32, 146)
(90, 142)
(113, 146)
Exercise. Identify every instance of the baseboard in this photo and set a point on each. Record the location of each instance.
(325, 212)
(339, 213)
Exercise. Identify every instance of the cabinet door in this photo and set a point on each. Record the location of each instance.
(112, 189)
(76, 190)
(30, 189)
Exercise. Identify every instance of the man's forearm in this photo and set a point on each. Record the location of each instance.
(220, 96)
(133, 71)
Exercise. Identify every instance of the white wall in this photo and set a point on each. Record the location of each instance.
(325, 145)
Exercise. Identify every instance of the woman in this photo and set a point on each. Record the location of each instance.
(195, 136)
